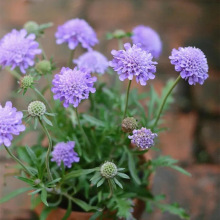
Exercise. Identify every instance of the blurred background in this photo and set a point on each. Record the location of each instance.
(193, 136)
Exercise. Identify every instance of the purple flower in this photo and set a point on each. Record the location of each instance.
(65, 152)
(76, 31)
(18, 49)
(93, 61)
(191, 63)
(72, 86)
(143, 138)
(148, 39)
(133, 61)
(10, 123)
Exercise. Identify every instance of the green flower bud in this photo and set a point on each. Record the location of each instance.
(119, 34)
(129, 124)
(36, 109)
(43, 67)
(31, 27)
(109, 170)
(26, 82)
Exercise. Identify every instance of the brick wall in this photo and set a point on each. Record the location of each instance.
(193, 135)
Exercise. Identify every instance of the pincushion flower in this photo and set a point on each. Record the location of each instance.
(10, 123)
(133, 62)
(72, 86)
(143, 138)
(93, 61)
(64, 152)
(191, 63)
(148, 39)
(76, 31)
(18, 49)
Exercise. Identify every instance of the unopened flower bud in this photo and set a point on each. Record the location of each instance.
(26, 82)
(43, 67)
(108, 170)
(31, 27)
(36, 109)
(119, 34)
(129, 124)
(37, 181)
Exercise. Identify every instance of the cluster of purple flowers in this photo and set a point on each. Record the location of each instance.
(143, 138)
(72, 86)
(133, 62)
(64, 152)
(18, 49)
(191, 63)
(74, 32)
(10, 123)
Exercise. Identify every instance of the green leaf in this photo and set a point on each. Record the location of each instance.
(35, 201)
(68, 211)
(44, 214)
(77, 173)
(93, 121)
(181, 170)
(26, 180)
(101, 182)
(47, 120)
(173, 209)
(96, 215)
(54, 181)
(118, 183)
(44, 196)
(132, 169)
(123, 175)
(95, 178)
(14, 193)
(32, 155)
(84, 205)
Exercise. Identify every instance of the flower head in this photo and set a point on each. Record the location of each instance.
(76, 31)
(148, 39)
(36, 109)
(108, 170)
(10, 123)
(72, 86)
(128, 124)
(26, 82)
(191, 63)
(17, 49)
(64, 152)
(93, 61)
(143, 138)
(133, 61)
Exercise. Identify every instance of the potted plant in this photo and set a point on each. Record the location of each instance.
(95, 164)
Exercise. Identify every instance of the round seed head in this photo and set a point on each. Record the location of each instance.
(26, 82)
(36, 109)
(129, 124)
(31, 27)
(108, 170)
(43, 67)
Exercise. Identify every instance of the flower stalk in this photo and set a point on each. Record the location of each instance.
(164, 101)
(48, 151)
(127, 96)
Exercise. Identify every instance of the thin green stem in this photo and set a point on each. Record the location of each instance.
(49, 149)
(81, 128)
(14, 73)
(111, 190)
(127, 96)
(164, 101)
(17, 160)
(41, 95)
(71, 58)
